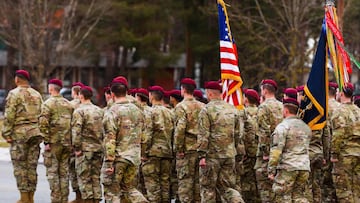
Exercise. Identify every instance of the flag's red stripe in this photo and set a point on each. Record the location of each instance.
(227, 49)
(229, 61)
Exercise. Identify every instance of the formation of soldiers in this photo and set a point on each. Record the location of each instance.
(154, 146)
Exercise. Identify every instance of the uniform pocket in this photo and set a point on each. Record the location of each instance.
(182, 168)
(47, 158)
(16, 153)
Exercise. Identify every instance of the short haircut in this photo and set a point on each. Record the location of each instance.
(252, 100)
(269, 87)
(76, 89)
(119, 90)
(57, 88)
(357, 102)
(292, 108)
(21, 77)
(86, 93)
(188, 88)
(157, 95)
(143, 98)
(332, 91)
(348, 92)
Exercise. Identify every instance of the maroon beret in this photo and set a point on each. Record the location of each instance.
(291, 101)
(252, 93)
(132, 91)
(269, 82)
(106, 89)
(120, 80)
(349, 86)
(357, 97)
(56, 82)
(188, 81)
(87, 88)
(333, 85)
(23, 73)
(300, 88)
(198, 94)
(290, 92)
(80, 84)
(156, 88)
(142, 92)
(175, 93)
(214, 85)
(166, 94)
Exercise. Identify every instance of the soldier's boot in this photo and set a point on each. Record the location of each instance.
(31, 197)
(77, 197)
(24, 197)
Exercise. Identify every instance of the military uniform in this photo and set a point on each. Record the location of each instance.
(246, 180)
(72, 171)
(123, 126)
(55, 120)
(269, 115)
(157, 168)
(185, 140)
(219, 142)
(345, 147)
(289, 160)
(87, 136)
(22, 111)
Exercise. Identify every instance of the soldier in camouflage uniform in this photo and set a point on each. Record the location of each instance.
(269, 115)
(123, 126)
(55, 123)
(328, 189)
(289, 163)
(345, 148)
(142, 97)
(158, 155)
(87, 136)
(185, 140)
(248, 185)
(218, 144)
(75, 102)
(22, 110)
(175, 97)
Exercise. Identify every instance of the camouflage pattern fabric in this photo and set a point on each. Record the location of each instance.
(55, 124)
(289, 160)
(345, 147)
(157, 169)
(72, 172)
(219, 141)
(289, 186)
(87, 136)
(22, 110)
(269, 115)
(123, 126)
(185, 140)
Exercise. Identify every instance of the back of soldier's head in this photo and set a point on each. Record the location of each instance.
(119, 90)
(157, 95)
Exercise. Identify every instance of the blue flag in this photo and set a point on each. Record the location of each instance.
(314, 104)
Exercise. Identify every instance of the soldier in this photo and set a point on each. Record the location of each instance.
(22, 111)
(55, 124)
(248, 185)
(158, 154)
(175, 97)
(123, 126)
(75, 93)
(166, 100)
(218, 144)
(198, 95)
(142, 97)
(328, 190)
(185, 140)
(289, 163)
(345, 148)
(87, 136)
(269, 115)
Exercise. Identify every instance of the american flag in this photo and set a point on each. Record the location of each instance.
(230, 74)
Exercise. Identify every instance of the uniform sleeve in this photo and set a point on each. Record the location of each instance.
(110, 129)
(148, 132)
(144, 136)
(76, 126)
(44, 122)
(326, 141)
(264, 131)
(180, 127)
(278, 144)
(239, 133)
(204, 133)
(338, 130)
(9, 114)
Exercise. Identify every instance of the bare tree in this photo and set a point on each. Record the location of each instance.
(43, 32)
